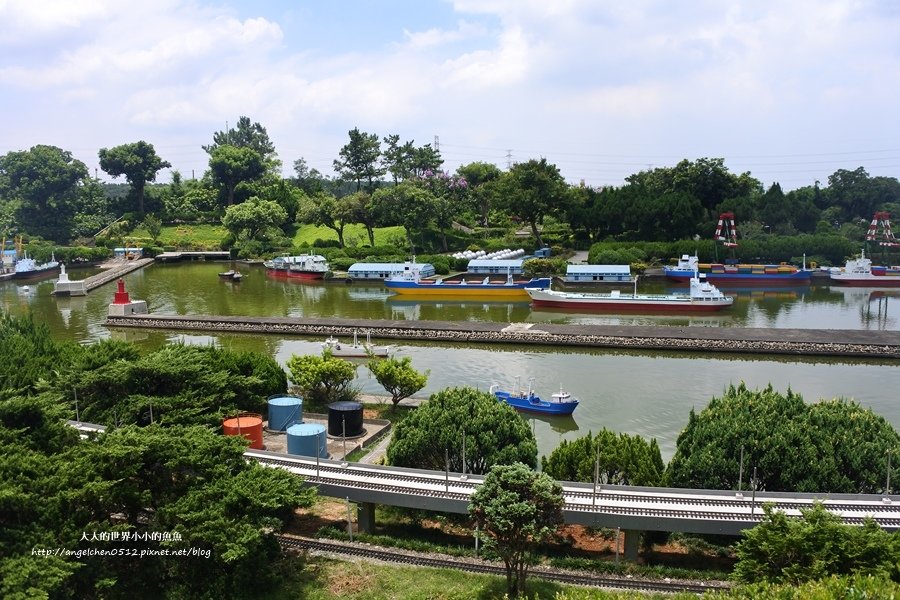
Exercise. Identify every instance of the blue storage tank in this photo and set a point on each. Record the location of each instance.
(284, 410)
(307, 439)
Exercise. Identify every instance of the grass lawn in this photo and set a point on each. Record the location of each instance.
(352, 233)
(328, 579)
(209, 237)
(198, 237)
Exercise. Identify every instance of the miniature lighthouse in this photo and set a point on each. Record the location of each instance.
(123, 306)
(64, 287)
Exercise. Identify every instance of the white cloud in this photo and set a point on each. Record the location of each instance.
(24, 20)
(647, 75)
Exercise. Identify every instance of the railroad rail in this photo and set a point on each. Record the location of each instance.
(487, 568)
(628, 507)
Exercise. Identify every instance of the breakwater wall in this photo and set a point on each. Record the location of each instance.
(714, 340)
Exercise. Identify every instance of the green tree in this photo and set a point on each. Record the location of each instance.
(328, 211)
(231, 165)
(425, 160)
(41, 187)
(494, 434)
(404, 204)
(833, 446)
(178, 384)
(623, 460)
(533, 190)
(397, 377)
(794, 551)
(706, 179)
(311, 181)
(517, 508)
(322, 379)
(254, 218)
(359, 159)
(138, 162)
(153, 226)
(544, 267)
(93, 212)
(247, 135)
(364, 213)
(397, 158)
(477, 174)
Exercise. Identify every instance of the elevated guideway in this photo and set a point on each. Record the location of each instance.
(628, 507)
(633, 509)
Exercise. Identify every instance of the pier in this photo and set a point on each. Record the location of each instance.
(715, 340)
(81, 287)
(194, 255)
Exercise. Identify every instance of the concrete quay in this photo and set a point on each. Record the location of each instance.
(83, 286)
(712, 340)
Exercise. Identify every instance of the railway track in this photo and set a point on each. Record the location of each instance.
(671, 505)
(376, 553)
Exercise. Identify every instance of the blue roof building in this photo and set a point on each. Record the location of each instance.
(599, 273)
(385, 270)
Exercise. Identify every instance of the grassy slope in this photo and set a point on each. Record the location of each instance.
(355, 231)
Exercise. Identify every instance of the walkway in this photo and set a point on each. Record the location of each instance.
(115, 268)
(798, 342)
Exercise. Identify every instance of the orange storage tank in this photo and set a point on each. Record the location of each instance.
(248, 425)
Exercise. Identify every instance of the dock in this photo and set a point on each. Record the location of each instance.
(83, 286)
(708, 340)
(194, 255)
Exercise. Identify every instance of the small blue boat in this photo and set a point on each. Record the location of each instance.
(560, 403)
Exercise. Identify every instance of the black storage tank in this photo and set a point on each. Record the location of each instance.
(341, 413)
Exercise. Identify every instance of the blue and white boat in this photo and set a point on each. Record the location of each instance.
(560, 403)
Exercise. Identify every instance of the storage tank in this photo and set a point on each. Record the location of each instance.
(307, 439)
(350, 413)
(284, 410)
(248, 425)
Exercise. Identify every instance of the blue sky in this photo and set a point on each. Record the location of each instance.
(788, 90)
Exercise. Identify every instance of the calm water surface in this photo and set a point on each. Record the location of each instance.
(649, 394)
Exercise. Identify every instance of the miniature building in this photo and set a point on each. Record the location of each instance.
(493, 266)
(385, 270)
(583, 273)
(128, 253)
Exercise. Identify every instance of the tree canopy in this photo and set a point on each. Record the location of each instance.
(494, 433)
(785, 550)
(253, 218)
(247, 134)
(397, 377)
(231, 165)
(322, 379)
(359, 159)
(517, 508)
(533, 190)
(624, 460)
(138, 162)
(175, 486)
(829, 446)
(39, 189)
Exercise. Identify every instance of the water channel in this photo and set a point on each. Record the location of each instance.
(644, 393)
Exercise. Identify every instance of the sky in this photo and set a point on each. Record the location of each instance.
(788, 90)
